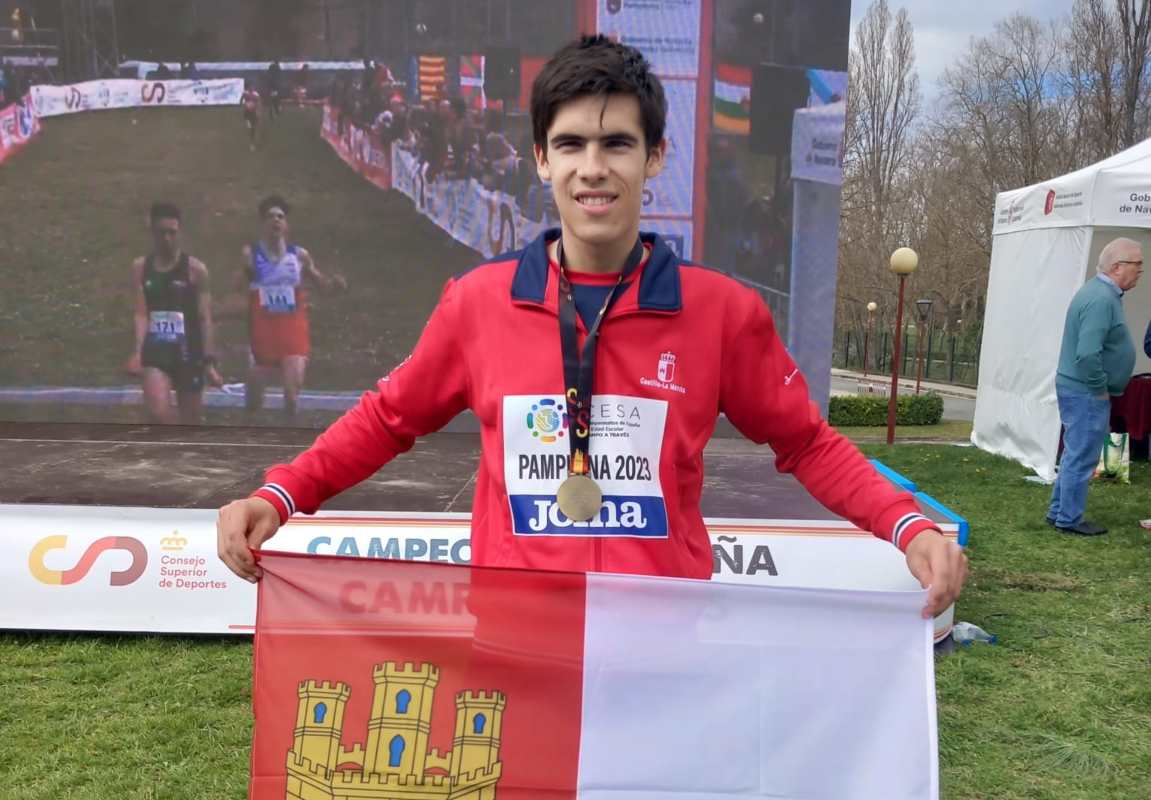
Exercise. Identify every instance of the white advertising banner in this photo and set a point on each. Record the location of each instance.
(100, 568)
(670, 193)
(665, 31)
(142, 68)
(817, 144)
(668, 33)
(51, 101)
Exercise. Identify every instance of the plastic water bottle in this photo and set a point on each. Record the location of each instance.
(965, 633)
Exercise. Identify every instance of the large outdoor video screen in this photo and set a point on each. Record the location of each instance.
(235, 212)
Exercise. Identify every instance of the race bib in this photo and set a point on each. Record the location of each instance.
(166, 326)
(278, 299)
(626, 444)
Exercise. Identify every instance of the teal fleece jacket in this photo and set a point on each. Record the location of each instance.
(1098, 354)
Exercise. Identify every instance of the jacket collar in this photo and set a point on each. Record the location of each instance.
(659, 283)
(1107, 279)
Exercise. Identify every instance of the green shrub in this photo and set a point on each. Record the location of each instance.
(871, 410)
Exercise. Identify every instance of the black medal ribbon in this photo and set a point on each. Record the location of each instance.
(579, 369)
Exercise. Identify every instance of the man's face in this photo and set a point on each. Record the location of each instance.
(597, 162)
(275, 222)
(166, 236)
(1128, 269)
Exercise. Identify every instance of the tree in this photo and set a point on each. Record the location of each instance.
(1092, 67)
(1105, 73)
(883, 103)
(1136, 31)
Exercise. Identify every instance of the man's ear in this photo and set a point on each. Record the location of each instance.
(543, 169)
(656, 159)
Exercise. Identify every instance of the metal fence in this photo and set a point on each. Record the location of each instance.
(947, 358)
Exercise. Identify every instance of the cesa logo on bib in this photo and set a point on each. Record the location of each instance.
(55, 577)
(547, 420)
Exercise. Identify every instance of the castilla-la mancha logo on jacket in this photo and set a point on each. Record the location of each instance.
(665, 373)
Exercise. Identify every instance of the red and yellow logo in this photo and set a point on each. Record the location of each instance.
(55, 577)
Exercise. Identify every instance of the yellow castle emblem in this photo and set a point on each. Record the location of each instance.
(396, 763)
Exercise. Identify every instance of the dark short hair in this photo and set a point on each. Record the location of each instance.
(596, 65)
(161, 210)
(274, 201)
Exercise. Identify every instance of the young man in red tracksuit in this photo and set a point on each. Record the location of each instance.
(597, 363)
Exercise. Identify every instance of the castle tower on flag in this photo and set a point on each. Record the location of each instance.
(400, 724)
(396, 763)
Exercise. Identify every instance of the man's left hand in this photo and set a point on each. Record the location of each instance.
(939, 564)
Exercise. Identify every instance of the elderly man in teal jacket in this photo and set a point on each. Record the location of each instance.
(1095, 362)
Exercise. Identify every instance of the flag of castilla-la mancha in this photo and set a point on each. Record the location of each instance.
(390, 680)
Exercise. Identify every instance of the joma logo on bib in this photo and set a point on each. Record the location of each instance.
(643, 517)
(626, 444)
(626, 514)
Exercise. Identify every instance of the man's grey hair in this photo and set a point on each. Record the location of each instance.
(1112, 252)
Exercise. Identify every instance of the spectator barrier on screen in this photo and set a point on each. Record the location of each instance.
(18, 125)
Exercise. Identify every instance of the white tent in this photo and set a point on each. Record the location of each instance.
(1046, 243)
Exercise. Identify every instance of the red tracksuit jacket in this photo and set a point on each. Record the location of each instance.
(682, 344)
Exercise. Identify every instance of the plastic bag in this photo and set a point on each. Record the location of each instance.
(1115, 462)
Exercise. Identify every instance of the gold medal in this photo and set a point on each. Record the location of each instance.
(579, 498)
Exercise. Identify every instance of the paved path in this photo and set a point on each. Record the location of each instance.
(958, 401)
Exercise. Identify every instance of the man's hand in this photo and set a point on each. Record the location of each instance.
(940, 565)
(244, 525)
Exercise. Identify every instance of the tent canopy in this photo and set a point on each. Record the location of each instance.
(1115, 192)
(1045, 245)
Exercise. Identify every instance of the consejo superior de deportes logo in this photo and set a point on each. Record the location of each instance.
(547, 420)
(56, 577)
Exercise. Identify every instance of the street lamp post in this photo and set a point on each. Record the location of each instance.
(868, 331)
(924, 308)
(903, 263)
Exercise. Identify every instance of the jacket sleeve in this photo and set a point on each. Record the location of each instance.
(418, 397)
(764, 395)
(1094, 322)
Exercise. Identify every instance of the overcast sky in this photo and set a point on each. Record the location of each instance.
(943, 28)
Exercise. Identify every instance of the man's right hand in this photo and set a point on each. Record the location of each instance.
(244, 525)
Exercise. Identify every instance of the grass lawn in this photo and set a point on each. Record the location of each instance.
(949, 430)
(1060, 710)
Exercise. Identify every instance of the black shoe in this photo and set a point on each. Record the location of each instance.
(1084, 528)
(1049, 521)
